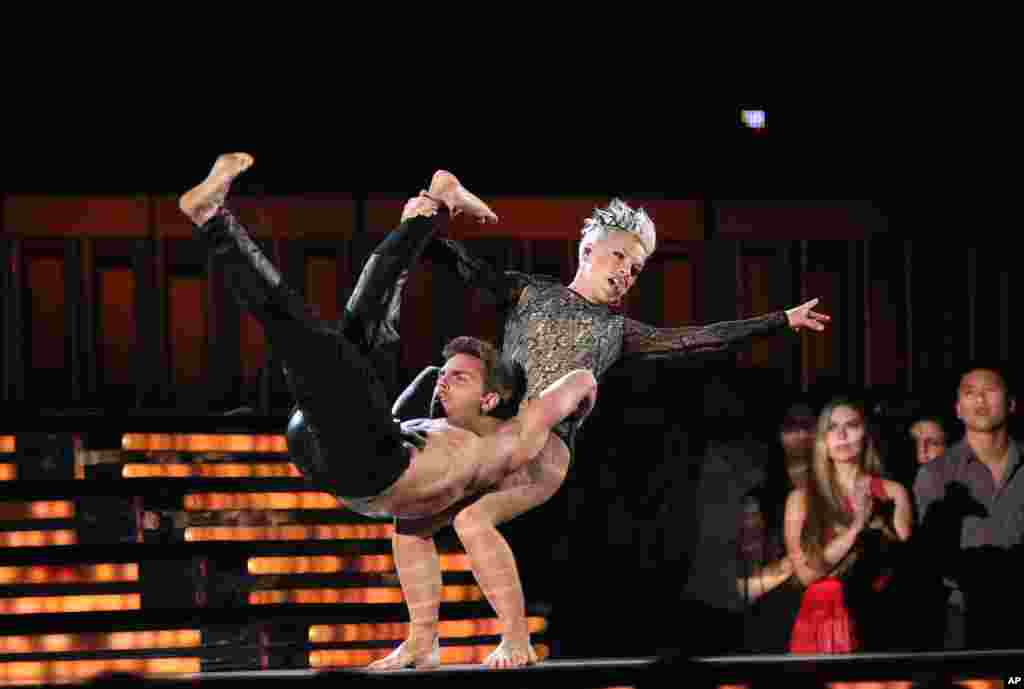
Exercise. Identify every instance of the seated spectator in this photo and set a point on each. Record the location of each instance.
(929, 436)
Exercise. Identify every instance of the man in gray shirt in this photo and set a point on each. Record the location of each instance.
(970, 504)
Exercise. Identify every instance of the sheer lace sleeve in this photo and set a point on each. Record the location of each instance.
(646, 341)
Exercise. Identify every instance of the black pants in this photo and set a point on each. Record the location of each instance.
(342, 435)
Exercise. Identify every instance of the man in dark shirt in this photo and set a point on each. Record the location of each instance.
(970, 504)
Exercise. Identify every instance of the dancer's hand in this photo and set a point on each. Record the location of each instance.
(803, 317)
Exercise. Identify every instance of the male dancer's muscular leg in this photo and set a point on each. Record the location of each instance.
(491, 559)
(419, 573)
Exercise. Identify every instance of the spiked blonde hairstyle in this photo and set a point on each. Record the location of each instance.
(619, 216)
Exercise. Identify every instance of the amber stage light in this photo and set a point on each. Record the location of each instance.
(294, 532)
(211, 470)
(69, 574)
(331, 564)
(373, 595)
(207, 502)
(34, 605)
(204, 442)
(398, 631)
(101, 641)
(33, 539)
(450, 655)
(38, 672)
(38, 509)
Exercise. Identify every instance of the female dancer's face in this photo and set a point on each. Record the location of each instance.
(613, 265)
(845, 435)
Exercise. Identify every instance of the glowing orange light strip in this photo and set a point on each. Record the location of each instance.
(7, 443)
(450, 655)
(329, 564)
(8, 472)
(217, 470)
(24, 672)
(203, 442)
(101, 641)
(41, 509)
(449, 594)
(327, 532)
(323, 564)
(448, 629)
(262, 501)
(32, 605)
(29, 539)
(69, 574)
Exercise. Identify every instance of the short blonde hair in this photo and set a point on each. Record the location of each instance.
(619, 216)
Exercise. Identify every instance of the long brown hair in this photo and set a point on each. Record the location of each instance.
(826, 504)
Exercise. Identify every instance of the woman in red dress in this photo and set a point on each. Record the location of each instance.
(845, 504)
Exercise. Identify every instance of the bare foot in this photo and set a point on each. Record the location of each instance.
(407, 655)
(420, 205)
(202, 201)
(445, 188)
(509, 654)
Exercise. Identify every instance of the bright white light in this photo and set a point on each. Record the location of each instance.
(753, 118)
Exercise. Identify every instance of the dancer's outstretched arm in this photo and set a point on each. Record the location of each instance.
(646, 341)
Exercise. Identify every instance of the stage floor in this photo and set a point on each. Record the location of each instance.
(592, 673)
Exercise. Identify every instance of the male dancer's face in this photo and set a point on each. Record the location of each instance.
(460, 389)
(613, 264)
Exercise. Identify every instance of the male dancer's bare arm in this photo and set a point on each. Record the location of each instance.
(522, 438)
